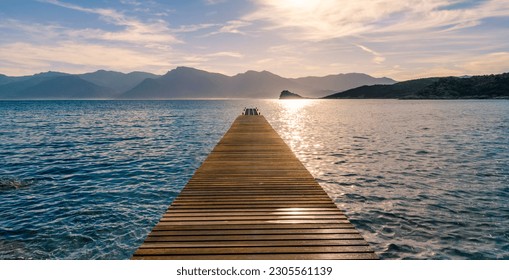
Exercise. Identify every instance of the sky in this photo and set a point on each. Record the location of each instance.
(292, 38)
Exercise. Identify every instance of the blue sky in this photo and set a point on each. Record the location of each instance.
(292, 38)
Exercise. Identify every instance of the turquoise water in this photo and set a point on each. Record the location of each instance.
(419, 179)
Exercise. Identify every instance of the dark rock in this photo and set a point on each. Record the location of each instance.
(286, 94)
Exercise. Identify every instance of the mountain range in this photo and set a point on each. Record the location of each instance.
(179, 83)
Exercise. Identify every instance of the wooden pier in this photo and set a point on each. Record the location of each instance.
(253, 199)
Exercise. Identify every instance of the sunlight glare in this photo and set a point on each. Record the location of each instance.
(293, 113)
(292, 106)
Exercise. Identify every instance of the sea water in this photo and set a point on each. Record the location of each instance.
(418, 179)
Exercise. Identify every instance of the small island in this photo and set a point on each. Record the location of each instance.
(286, 94)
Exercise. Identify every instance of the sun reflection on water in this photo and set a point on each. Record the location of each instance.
(292, 115)
(295, 105)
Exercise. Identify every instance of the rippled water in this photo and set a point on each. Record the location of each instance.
(419, 179)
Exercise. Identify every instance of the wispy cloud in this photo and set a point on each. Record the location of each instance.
(30, 57)
(444, 34)
(488, 63)
(327, 19)
(131, 2)
(226, 54)
(156, 31)
(211, 56)
(109, 14)
(194, 27)
(123, 42)
(378, 58)
(214, 2)
(232, 26)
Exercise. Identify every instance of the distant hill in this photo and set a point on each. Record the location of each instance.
(478, 87)
(5, 79)
(340, 82)
(100, 85)
(64, 87)
(11, 89)
(398, 90)
(118, 81)
(475, 87)
(182, 82)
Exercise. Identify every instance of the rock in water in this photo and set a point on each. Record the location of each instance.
(286, 94)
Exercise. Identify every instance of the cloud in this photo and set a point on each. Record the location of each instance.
(156, 31)
(31, 58)
(451, 64)
(199, 58)
(226, 54)
(214, 2)
(377, 57)
(131, 2)
(422, 37)
(288, 37)
(138, 45)
(232, 26)
(488, 63)
(328, 19)
(36, 31)
(109, 14)
(320, 20)
(193, 27)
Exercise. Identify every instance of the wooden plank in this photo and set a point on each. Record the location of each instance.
(251, 213)
(257, 210)
(169, 218)
(300, 256)
(230, 198)
(253, 199)
(172, 238)
(254, 222)
(157, 232)
(254, 250)
(253, 226)
(256, 243)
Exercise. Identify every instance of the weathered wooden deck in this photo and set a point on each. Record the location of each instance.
(253, 199)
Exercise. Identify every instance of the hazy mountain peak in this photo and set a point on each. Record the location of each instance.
(63, 87)
(117, 81)
(259, 74)
(4, 79)
(186, 69)
(50, 74)
(102, 71)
